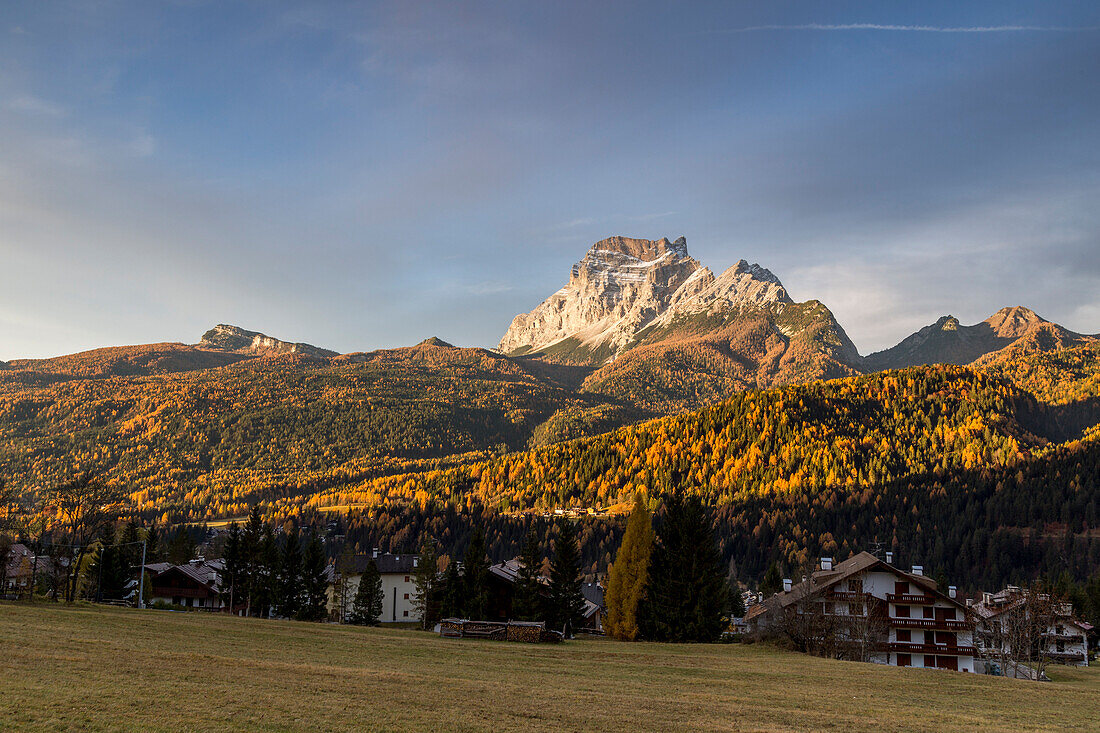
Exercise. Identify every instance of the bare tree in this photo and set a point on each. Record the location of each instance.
(866, 629)
(82, 506)
(808, 620)
(1015, 637)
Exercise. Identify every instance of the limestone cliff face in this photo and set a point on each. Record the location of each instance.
(623, 286)
(224, 337)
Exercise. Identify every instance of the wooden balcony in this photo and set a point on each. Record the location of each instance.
(916, 599)
(1066, 656)
(847, 595)
(939, 624)
(167, 591)
(940, 649)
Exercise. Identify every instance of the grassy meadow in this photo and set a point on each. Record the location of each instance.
(96, 669)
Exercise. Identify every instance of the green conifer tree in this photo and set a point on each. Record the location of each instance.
(772, 582)
(234, 575)
(527, 600)
(687, 598)
(426, 575)
(315, 581)
(626, 578)
(453, 592)
(366, 609)
(290, 596)
(152, 544)
(475, 575)
(565, 603)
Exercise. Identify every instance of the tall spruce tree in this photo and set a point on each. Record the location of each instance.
(233, 556)
(266, 581)
(527, 600)
(314, 581)
(565, 602)
(687, 597)
(475, 575)
(152, 544)
(366, 609)
(453, 592)
(426, 576)
(772, 582)
(251, 543)
(627, 576)
(290, 596)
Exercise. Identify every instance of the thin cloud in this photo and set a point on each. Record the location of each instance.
(913, 28)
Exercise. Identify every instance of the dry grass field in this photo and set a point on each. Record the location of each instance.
(84, 668)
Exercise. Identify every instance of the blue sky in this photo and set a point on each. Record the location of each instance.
(361, 175)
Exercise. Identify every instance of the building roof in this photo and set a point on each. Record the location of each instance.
(509, 571)
(1010, 598)
(206, 573)
(19, 557)
(593, 593)
(820, 580)
(388, 564)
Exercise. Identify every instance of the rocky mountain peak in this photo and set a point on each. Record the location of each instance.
(639, 249)
(225, 337)
(625, 285)
(946, 323)
(1013, 321)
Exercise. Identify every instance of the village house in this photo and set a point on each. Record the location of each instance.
(503, 578)
(1061, 638)
(873, 611)
(398, 586)
(195, 584)
(18, 572)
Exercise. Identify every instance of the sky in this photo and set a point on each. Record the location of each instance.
(364, 175)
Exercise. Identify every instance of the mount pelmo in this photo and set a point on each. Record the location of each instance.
(627, 291)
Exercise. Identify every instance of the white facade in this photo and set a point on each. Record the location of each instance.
(399, 590)
(907, 620)
(398, 586)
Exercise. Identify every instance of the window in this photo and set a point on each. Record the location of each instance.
(904, 635)
(928, 612)
(903, 611)
(406, 613)
(855, 585)
(406, 596)
(901, 588)
(855, 609)
(904, 660)
(406, 579)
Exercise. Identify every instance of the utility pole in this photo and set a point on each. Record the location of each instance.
(141, 578)
(99, 585)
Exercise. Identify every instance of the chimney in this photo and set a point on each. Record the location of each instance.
(826, 563)
(987, 597)
(969, 602)
(952, 591)
(918, 570)
(374, 554)
(415, 561)
(889, 558)
(786, 585)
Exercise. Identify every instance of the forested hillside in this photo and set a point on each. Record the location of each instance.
(951, 468)
(208, 442)
(981, 472)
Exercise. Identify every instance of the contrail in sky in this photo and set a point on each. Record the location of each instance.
(915, 28)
